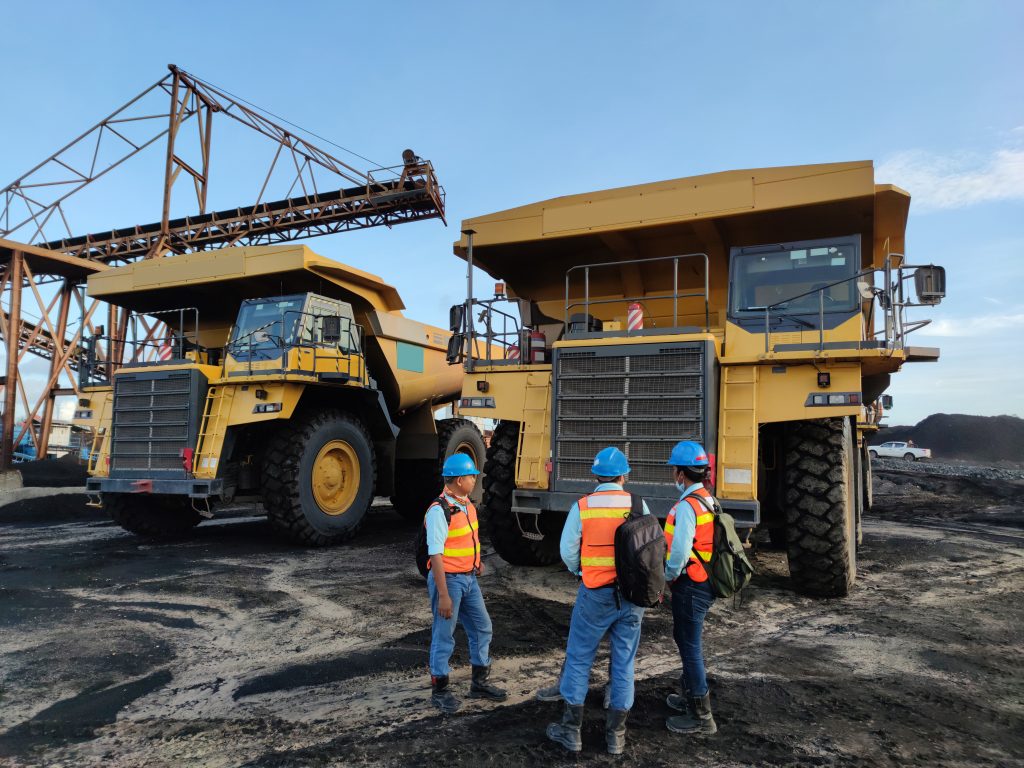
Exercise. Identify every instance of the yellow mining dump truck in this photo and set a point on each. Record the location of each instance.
(287, 378)
(760, 312)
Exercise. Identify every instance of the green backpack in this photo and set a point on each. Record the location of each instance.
(729, 570)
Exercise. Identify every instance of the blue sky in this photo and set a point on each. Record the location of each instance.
(523, 101)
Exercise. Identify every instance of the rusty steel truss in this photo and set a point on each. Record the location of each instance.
(324, 195)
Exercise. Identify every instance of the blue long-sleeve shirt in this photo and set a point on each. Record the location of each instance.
(682, 539)
(572, 532)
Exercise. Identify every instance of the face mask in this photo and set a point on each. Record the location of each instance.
(682, 488)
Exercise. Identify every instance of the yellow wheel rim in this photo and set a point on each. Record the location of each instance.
(467, 448)
(335, 477)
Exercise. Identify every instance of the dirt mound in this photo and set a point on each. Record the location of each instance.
(955, 435)
(65, 472)
(56, 508)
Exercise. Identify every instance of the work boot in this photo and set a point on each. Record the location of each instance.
(700, 722)
(567, 732)
(441, 697)
(551, 693)
(481, 687)
(615, 730)
(680, 702)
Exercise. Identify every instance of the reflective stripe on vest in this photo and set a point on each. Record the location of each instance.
(601, 513)
(462, 547)
(703, 534)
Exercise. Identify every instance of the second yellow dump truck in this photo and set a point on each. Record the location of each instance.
(760, 312)
(286, 378)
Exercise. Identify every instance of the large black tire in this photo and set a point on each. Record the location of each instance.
(321, 502)
(419, 481)
(821, 507)
(153, 516)
(498, 518)
(777, 537)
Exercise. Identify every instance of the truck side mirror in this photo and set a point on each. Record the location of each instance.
(330, 330)
(887, 402)
(455, 344)
(930, 284)
(456, 316)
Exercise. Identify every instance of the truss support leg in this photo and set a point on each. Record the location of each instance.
(11, 382)
(60, 341)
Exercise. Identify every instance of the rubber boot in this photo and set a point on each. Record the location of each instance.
(551, 693)
(567, 732)
(615, 730)
(441, 697)
(701, 722)
(481, 687)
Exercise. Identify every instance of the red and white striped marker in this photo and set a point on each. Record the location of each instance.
(513, 352)
(165, 352)
(635, 317)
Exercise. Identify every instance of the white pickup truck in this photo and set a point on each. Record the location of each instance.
(893, 450)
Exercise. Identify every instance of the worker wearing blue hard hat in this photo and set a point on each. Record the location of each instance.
(587, 548)
(453, 550)
(689, 531)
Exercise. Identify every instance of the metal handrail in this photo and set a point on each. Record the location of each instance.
(353, 334)
(504, 338)
(90, 365)
(891, 299)
(675, 295)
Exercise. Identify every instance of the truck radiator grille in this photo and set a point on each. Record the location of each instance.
(153, 420)
(640, 403)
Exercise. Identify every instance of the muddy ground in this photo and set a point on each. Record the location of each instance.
(232, 649)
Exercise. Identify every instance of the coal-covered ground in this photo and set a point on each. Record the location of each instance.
(233, 649)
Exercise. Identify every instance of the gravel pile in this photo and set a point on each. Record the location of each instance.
(66, 472)
(947, 469)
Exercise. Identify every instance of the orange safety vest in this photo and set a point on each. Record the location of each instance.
(462, 547)
(703, 534)
(601, 513)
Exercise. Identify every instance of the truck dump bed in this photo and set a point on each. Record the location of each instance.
(406, 357)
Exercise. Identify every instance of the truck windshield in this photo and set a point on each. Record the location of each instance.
(266, 326)
(778, 278)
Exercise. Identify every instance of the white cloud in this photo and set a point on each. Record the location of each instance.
(939, 182)
(981, 326)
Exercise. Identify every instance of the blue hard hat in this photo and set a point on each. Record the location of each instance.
(688, 453)
(610, 462)
(459, 464)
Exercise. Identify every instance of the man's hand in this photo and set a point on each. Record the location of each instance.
(444, 606)
(480, 569)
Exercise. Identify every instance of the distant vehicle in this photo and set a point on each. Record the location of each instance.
(893, 450)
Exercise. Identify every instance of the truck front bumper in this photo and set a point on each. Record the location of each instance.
(195, 489)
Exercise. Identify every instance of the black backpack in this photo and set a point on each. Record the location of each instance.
(640, 551)
(419, 544)
(729, 570)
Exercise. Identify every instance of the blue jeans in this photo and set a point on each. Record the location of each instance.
(469, 610)
(595, 614)
(690, 603)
